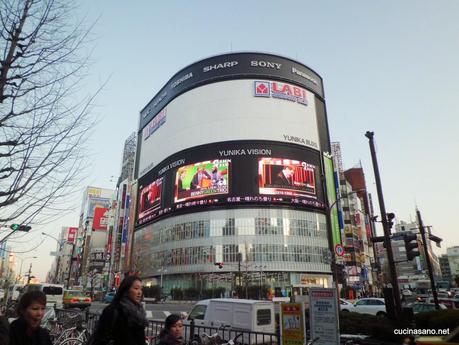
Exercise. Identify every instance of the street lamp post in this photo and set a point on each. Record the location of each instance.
(161, 270)
(60, 243)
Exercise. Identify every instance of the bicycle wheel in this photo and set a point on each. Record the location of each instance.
(71, 341)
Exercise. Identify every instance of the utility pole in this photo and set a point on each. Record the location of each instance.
(386, 226)
(239, 281)
(429, 264)
(70, 265)
(30, 274)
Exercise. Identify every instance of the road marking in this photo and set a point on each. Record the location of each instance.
(167, 313)
(149, 314)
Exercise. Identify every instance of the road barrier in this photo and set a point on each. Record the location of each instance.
(191, 331)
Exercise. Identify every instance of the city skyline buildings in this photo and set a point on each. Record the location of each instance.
(414, 123)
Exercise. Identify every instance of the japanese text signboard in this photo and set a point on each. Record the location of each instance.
(293, 326)
(323, 315)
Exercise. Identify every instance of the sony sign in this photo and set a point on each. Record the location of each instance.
(265, 64)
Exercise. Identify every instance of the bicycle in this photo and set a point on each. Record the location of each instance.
(233, 341)
(206, 339)
(312, 341)
(72, 341)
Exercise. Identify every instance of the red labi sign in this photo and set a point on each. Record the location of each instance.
(100, 218)
(72, 234)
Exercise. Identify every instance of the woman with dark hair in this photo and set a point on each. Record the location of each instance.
(172, 333)
(26, 329)
(123, 322)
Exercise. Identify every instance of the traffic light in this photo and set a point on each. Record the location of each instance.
(219, 264)
(20, 227)
(390, 219)
(411, 246)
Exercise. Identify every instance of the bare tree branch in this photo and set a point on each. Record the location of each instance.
(43, 127)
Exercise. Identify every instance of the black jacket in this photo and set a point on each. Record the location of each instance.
(113, 328)
(18, 335)
(4, 331)
(167, 339)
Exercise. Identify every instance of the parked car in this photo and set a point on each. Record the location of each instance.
(443, 294)
(345, 305)
(13, 293)
(422, 307)
(76, 299)
(407, 292)
(373, 306)
(109, 297)
(450, 303)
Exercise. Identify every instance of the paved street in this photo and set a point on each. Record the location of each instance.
(158, 311)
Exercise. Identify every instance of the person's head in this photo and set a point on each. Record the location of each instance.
(289, 171)
(31, 307)
(130, 287)
(174, 326)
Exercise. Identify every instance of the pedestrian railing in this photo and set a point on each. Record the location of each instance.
(191, 331)
(195, 332)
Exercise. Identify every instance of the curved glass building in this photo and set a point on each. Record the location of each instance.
(231, 164)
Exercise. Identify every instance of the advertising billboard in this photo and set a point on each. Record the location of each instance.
(150, 197)
(100, 222)
(227, 111)
(286, 177)
(233, 66)
(231, 173)
(202, 179)
(95, 202)
(71, 235)
(331, 195)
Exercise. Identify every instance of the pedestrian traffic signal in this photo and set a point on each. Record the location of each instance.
(219, 264)
(411, 246)
(20, 227)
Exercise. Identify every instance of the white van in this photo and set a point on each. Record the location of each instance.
(54, 293)
(13, 292)
(236, 314)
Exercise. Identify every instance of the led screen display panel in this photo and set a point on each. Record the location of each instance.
(231, 174)
(278, 176)
(202, 179)
(150, 198)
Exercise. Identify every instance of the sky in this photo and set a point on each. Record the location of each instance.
(388, 67)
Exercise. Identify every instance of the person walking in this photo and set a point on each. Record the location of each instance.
(124, 320)
(26, 329)
(172, 333)
(4, 330)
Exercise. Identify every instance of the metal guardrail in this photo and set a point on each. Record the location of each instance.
(191, 331)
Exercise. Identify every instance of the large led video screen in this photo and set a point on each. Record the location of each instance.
(231, 174)
(150, 198)
(288, 177)
(202, 179)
